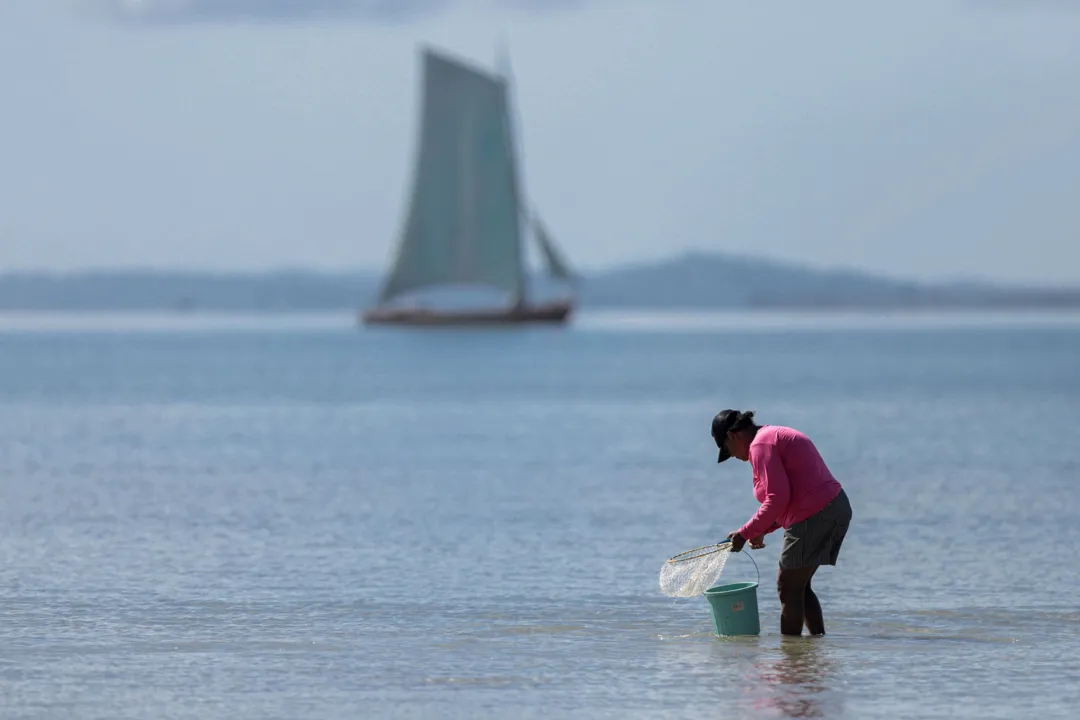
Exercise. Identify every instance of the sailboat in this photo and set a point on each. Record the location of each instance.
(465, 221)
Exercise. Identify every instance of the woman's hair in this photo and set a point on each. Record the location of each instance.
(744, 421)
(727, 421)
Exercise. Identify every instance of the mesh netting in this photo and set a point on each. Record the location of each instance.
(694, 571)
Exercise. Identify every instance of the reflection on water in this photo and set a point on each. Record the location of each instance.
(796, 679)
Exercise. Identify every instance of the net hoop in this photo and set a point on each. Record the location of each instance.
(700, 552)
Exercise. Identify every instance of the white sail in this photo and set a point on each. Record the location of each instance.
(463, 222)
(556, 264)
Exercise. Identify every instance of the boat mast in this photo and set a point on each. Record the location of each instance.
(502, 63)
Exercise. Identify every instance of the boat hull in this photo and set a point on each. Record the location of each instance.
(549, 313)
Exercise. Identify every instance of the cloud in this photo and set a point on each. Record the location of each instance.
(168, 12)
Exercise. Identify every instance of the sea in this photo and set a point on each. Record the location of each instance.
(289, 516)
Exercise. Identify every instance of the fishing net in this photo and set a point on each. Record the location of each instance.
(694, 571)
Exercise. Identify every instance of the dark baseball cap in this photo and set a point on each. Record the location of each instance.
(721, 424)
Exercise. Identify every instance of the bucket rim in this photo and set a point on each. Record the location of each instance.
(731, 588)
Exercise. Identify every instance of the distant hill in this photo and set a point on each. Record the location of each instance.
(705, 280)
(163, 290)
(692, 281)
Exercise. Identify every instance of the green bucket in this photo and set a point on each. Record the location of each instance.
(734, 607)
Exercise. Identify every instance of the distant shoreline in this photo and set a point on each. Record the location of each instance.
(688, 283)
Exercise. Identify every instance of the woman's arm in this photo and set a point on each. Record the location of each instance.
(766, 459)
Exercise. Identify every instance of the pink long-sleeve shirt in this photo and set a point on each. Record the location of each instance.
(791, 480)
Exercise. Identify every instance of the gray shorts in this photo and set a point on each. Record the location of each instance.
(817, 539)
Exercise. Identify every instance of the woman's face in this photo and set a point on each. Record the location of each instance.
(738, 444)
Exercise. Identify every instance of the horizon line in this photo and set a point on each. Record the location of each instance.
(374, 272)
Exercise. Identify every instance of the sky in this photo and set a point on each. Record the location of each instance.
(925, 138)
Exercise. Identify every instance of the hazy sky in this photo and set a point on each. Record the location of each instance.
(923, 137)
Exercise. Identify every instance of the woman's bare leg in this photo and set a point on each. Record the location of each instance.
(815, 622)
(792, 586)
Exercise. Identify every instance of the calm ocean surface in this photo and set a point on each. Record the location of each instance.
(293, 518)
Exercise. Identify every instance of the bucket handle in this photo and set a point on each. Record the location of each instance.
(756, 569)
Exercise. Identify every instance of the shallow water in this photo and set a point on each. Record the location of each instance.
(306, 520)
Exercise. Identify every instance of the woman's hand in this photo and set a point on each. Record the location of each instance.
(758, 542)
(737, 541)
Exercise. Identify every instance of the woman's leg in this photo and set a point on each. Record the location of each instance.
(793, 587)
(807, 545)
(815, 622)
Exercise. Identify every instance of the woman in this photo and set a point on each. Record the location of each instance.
(798, 493)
